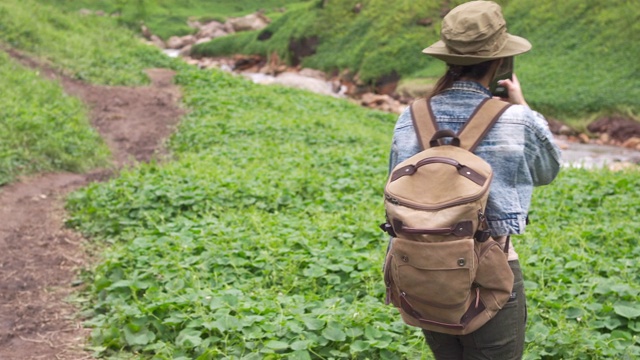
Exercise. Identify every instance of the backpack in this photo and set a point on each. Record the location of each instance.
(443, 271)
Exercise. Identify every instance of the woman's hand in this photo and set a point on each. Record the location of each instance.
(515, 91)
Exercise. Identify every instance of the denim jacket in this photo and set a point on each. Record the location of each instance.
(519, 148)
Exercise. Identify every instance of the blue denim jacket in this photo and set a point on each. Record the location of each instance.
(519, 148)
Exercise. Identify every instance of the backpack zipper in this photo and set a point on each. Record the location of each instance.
(413, 205)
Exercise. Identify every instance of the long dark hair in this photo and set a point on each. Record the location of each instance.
(456, 72)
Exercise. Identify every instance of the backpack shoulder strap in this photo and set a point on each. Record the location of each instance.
(480, 122)
(424, 122)
(473, 131)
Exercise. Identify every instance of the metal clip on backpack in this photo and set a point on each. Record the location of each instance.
(443, 271)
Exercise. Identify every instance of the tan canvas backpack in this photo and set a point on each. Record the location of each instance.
(443, 271)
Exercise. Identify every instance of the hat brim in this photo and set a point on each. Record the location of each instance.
(514, 45)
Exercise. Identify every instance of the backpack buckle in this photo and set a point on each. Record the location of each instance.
(482, 235)
(386, 227)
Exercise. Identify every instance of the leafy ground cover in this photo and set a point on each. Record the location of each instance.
(256, 242)
(261, 241)
(42, 129)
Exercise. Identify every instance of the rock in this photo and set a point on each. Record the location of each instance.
(174, 42)
(620, 166)
(387, 84)
(313, 73)
(250, 22)
(566, 130)
(155, 40)
(584, 138)
(605, 138)
(414, 89)
(302, 82)
(219, 33)
(202, 41)
(632, 143)
(381, 102)
(194, 24)
(188, 40)
(619, 129)
(210, 28)
(146, 32)
(244, 62)
(228, 28)
(185, 51)
(558, 128)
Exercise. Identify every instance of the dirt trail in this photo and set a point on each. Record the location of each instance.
(39, 257)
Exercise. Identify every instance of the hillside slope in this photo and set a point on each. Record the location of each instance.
(584, 58)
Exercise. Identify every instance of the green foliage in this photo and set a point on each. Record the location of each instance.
(583, 60)
(259, 242)
(299, 22)
(90, 48)
(42, 129)
(580, 264)
(582, 57)
(582, 63)
(166, 18)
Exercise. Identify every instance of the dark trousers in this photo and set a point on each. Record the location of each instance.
(502, 338)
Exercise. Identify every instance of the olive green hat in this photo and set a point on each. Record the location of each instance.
(475, 32)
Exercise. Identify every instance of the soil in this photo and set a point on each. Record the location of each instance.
(40, 259)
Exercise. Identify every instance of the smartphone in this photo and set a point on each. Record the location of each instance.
(505, 71)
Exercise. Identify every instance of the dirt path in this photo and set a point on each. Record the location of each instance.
(39, 257)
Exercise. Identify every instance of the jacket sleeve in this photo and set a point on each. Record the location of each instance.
(542, 154)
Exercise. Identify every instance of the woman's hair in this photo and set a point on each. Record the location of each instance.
(455, 72)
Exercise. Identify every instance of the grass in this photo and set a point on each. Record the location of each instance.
(38, 134)
(90, 48)
(167, 18)
(41, 128)
(261, 241)
(582, 62)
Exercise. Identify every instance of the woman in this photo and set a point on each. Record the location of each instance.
(519, 147)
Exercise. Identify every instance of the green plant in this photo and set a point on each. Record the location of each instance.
(41, 128)
(261, 241)
(90, 48)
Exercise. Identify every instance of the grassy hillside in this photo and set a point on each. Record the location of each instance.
(169, 17)
(583, 60)
(90, 48)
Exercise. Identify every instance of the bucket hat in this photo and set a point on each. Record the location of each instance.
(475, 32)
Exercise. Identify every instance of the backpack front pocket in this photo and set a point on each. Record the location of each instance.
(434, 274)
